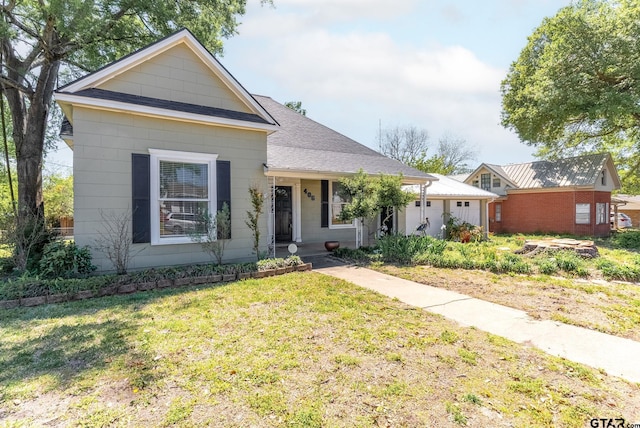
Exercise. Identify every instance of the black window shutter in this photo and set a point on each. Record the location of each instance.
(141, 198)
(223, 186)
(324, 204)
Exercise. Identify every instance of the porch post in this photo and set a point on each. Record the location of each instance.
(298, 212)
(271, 219)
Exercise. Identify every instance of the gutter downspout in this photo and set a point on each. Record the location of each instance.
(423, 199)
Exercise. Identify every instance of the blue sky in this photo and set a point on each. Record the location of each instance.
(354, 64)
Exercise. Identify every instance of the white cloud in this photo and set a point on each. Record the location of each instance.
(348, 80)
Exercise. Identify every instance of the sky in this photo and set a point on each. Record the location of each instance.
(361, 65)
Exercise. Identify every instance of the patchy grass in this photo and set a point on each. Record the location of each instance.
(610, 307)
(298, 350)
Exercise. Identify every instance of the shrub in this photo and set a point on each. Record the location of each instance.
(548, 266)
(293, 260)
(622, 272)
(627, 239)
(570, 262)
(217, 232)
(404, 249)
(512, 263)
(62, 259)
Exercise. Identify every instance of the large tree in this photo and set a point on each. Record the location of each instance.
(575, 88)
(40, 38)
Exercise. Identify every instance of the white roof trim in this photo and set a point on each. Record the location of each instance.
(184, 36)
(119, 106)
(492, 170)
(316, 175)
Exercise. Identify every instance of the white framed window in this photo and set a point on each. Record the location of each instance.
(339, 199)
(498, 212)
(183, 190)
(583, 213)
(601, 213)
(496, 182)
(485, 181)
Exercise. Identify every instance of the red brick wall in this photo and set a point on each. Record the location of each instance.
(548, 212)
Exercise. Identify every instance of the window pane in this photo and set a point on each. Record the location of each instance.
(583, 213)
(498, 212)
(339, 198)
(601, 213)
(485, 181)
(182, 217)
(182, 180)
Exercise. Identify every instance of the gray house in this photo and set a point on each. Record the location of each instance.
(167, 133)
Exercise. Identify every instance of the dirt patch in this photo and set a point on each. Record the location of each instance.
(610, 307)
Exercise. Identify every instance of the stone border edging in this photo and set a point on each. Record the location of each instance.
(129, 288)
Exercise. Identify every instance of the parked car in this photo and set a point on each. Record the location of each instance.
(624, 221)
(178, 223)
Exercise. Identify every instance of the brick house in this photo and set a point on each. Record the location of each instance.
(570, 196)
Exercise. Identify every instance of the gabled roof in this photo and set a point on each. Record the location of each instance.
(452, 188)
(579, 171)
(302, 145)
(84, 90)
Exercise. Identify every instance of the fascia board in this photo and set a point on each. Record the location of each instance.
(322, 175)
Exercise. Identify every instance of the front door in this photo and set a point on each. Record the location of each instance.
(283, 214)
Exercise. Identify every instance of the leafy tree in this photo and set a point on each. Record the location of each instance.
(38, 39)
(575, 88)
(296, 106)
(368, 196)
(58, 197)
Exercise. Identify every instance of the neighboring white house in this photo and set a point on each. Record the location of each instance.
(444, 198)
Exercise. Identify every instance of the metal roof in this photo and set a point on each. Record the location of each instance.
(451, 188)
(577, 171)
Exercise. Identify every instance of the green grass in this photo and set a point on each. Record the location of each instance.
(298, 350)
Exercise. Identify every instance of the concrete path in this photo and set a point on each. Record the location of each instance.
(617, 356)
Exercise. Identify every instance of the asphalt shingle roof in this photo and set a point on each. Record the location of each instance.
(302, 144)
(169, 105)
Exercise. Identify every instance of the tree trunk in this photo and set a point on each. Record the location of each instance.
(29, 139)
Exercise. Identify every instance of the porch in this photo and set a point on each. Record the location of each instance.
(309, 249)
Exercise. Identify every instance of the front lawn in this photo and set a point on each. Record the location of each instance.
(301, 349)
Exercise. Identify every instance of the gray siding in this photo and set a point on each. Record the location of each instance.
(104, 142)
(176, 75)
(311, 230)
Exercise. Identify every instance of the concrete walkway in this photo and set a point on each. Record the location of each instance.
(617, 356)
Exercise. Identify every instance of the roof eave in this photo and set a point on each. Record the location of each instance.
(69, 99)
(317, 174)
